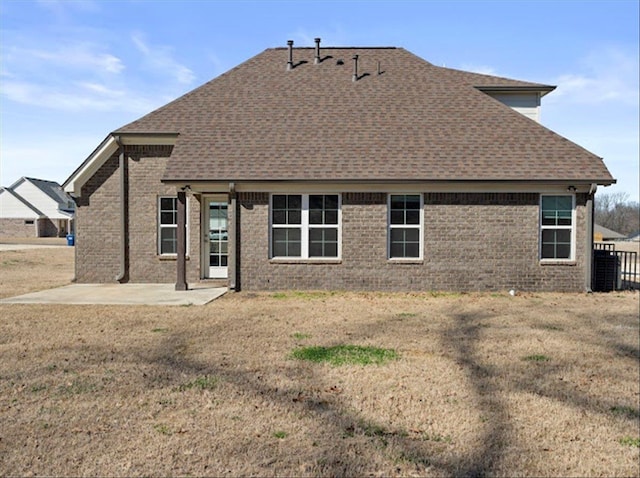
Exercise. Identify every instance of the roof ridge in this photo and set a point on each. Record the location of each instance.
(338, 48)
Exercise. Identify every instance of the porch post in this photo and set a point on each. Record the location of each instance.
(181, 238)
(589, 207)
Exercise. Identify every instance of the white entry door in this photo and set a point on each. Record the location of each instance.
(218, 239)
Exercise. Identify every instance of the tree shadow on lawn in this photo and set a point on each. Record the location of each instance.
(336, 417)
(461, 339)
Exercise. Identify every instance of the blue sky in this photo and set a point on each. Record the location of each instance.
(73, 71)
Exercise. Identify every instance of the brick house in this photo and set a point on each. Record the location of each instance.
(341, 168)
(33, 207)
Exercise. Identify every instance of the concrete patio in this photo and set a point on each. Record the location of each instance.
(121, 294)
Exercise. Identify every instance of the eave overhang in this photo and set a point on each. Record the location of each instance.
(390, 186)
(542, 89)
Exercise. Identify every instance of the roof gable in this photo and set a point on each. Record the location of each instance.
(14, 205)
(403, 119)
(47, 196)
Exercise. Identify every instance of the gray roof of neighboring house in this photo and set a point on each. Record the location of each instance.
(634, 236)
(607, 233)
(51, 189)
(414, 121)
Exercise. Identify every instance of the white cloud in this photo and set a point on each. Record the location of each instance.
(84, 77)
(160, 59)
(77, 97)
(608, 75)
(78, 56)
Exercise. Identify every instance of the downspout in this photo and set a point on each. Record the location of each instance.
(123, 211)
(590, 207)
(232, 228)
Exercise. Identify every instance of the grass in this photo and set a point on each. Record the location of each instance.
(163, 429)
(301, 336)
(305, 295)
(625, 411)
(200, 383)
(346, 355)
(92, 391)
(630, 441)
(536, 358)
(406, 315)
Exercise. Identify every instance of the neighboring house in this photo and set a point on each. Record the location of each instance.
(634, 237)
(35, 208)
(341, 168)
(601, 233)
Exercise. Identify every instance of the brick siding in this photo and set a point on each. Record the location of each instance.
(472, 241)
(48, 228)
(43, 227)
(98, 222)
(14, 227)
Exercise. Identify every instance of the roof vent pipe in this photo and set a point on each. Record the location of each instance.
(316, 60)
(379, 72)
(290, 62)
(355, 67)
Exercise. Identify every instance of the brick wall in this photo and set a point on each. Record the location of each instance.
(14, 227)
(472, 241)
(48, 228)
(98, 222)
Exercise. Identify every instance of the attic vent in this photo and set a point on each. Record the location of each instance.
(339, 61)
(290, 62)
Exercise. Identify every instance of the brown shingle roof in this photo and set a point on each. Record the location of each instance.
(414, 121)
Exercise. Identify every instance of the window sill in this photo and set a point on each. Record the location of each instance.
(169, 257)
(405, 261)
(557, 262)
(304, 261)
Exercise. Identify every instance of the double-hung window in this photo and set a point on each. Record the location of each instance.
(305, 226)
(167, 225)
(405, 226)
(557, 221)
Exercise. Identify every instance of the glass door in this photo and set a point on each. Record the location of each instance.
(218, 240)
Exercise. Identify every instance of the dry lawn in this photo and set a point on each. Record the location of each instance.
(532, 385)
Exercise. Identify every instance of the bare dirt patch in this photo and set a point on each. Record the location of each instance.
(213, 390)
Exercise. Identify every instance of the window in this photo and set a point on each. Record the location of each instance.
(305, 226)
(168, 225)
(28, 222)
(405, 226)
(556, 227)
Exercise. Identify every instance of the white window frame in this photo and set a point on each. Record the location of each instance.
(572, 228)
(171, 226)
(304, 227)
(419, 226)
